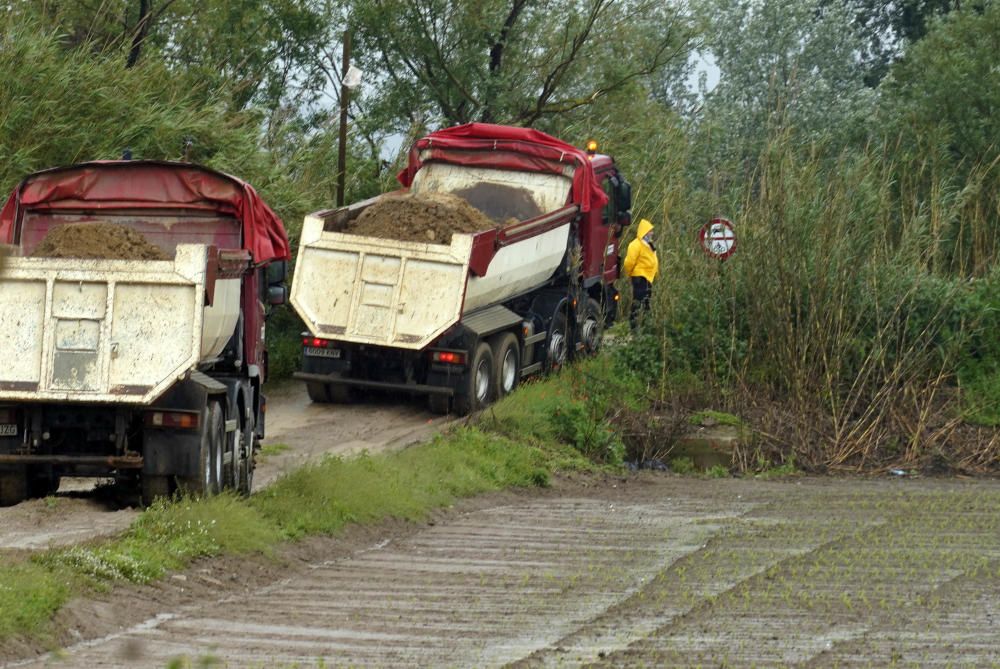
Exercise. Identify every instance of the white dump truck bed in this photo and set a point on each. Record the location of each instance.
(405, 294)
(100, 331)
(386, 292)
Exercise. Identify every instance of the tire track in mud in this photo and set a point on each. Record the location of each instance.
(489, 588)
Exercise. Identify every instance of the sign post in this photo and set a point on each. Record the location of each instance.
(718, 238)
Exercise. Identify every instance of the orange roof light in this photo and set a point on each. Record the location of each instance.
(591, 146)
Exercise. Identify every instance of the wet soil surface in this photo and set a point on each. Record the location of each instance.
(423, 217)
(85, 509)
(105, 241)
(653, 570)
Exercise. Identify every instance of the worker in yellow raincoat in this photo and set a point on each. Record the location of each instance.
(641, 265)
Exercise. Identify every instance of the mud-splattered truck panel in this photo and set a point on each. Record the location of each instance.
(109, 330)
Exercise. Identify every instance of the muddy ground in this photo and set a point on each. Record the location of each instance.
(645, 571)
(86, 508)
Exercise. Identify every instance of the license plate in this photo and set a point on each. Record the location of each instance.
(8, 430)
(323, 352)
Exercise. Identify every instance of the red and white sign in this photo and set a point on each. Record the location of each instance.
(718, 238)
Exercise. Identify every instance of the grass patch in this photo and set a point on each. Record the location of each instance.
(321, 498)
(785, 469)
(30, 595)
(577, 408)
(683, 465)
(709, 416)
(269, 450)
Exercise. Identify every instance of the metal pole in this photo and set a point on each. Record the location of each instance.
(342, 149)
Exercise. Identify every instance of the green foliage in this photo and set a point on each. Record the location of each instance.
(268, 450)
(717, 472)
(718, 417)
(578, 408)
(168, 536)
(766, 470)
(29, 596)
(451, 62)
(938, 112)
(323, 497)
(794, 65)
(683, 465)
(845, 323)
(65, 109)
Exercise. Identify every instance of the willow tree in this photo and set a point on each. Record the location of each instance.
(510, 61)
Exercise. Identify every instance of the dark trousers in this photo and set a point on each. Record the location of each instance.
(642, 289)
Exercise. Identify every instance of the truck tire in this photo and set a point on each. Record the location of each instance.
(319, 392)
(247, 462)
(206, 480)
(154, 487)
(592, 327)
(439, 404)
(234, 447)
(13, 486)
(330, 393)
(41, 484)
(557, 344)
(477, 390)
(507, 371)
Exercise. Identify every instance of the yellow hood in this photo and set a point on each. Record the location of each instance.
(645, 227)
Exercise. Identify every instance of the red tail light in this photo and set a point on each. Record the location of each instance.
(183, 420)
(316, 342)
(449, 357)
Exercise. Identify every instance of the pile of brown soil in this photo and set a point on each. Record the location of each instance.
(423, 217)
(105, 241)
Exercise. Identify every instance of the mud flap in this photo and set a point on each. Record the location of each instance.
(174, 452)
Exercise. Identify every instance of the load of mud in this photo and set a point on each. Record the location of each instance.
(419, 217)
(101, 241)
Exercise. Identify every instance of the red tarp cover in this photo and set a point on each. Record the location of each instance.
(144, 184)
(448, 145)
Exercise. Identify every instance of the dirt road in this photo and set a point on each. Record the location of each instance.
(656, 571)
(84, 508)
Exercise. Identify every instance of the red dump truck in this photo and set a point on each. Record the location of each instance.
(146, 370)
(463, 322)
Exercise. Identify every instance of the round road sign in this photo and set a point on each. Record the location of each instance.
(718, 238)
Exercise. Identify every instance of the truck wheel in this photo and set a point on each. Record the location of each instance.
(42, 485)
(592, 327)
(330, 393)
(154, 487)
(234, 446)
(319, 393)
(246, 468)
(558, 343)
(206, 480)
(438, 404)
(477, 391)
(507, 354)
(340, 394)
(13, 486)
